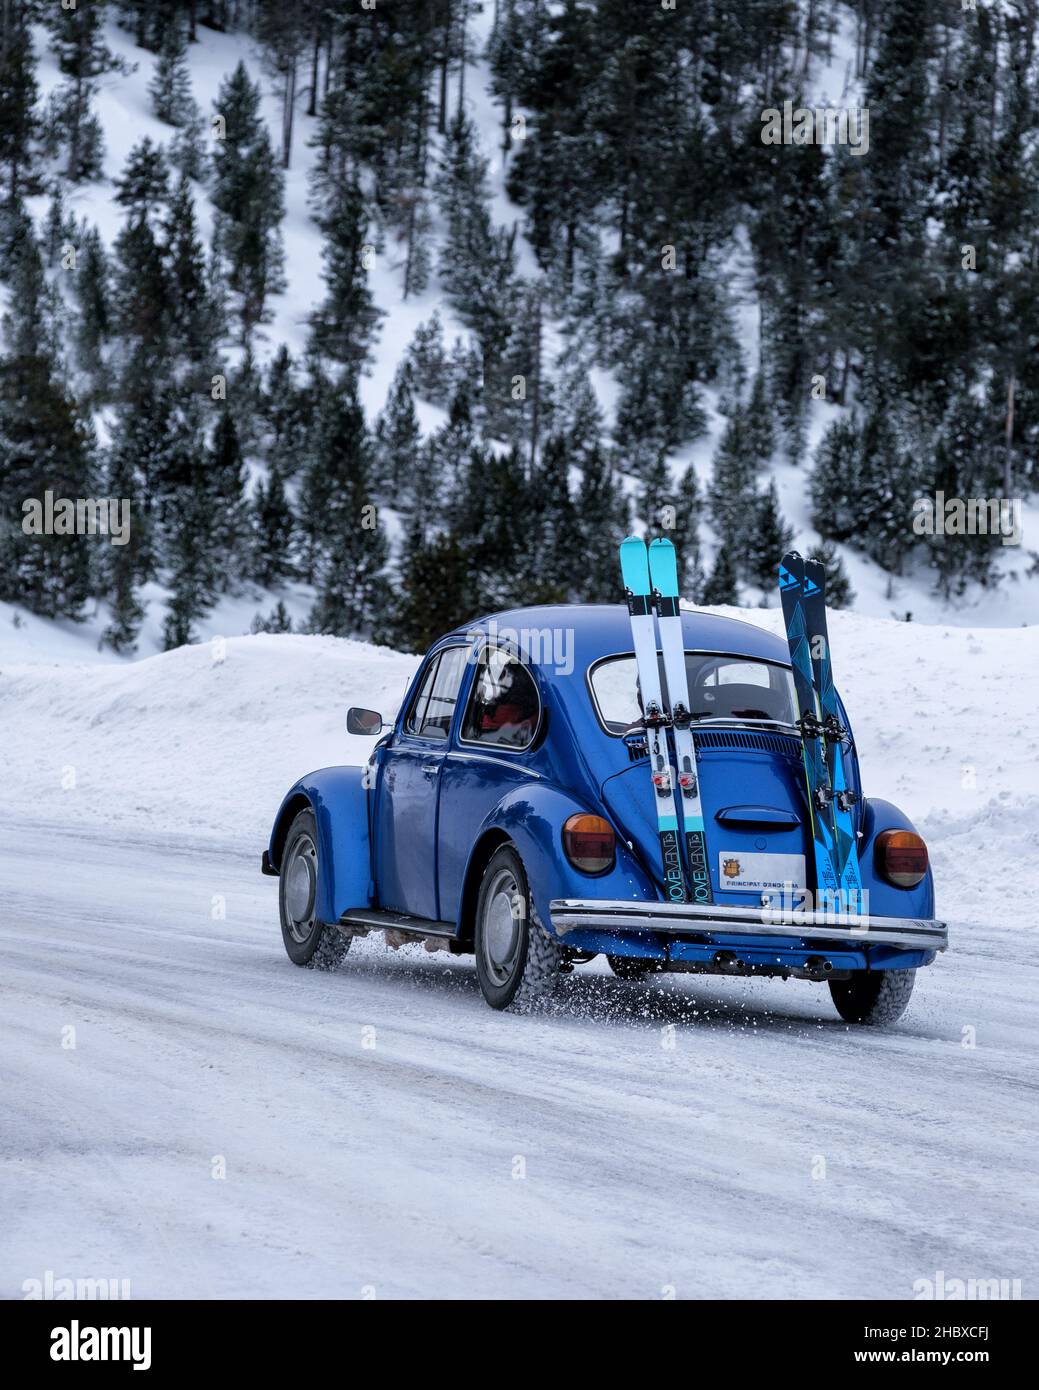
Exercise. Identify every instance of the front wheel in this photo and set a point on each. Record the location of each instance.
(307, 941)
(873, 996)
(517, 962)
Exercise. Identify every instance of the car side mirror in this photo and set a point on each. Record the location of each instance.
(363, 721)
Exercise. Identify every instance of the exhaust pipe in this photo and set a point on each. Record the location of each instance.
(818, 965)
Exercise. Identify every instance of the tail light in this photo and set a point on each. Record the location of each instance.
(901, 856)
(589, 842)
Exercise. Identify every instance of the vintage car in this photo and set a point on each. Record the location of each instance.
(507, 812)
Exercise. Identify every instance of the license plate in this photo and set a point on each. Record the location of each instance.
(750, 873)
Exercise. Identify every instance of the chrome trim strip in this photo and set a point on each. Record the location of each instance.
(570, 914)
(487, 758)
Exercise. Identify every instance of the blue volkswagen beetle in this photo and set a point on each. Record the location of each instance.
(507, 812)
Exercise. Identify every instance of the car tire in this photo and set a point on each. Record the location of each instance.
(875, 997)
(517, 962)
(308, 942)
(632, 968)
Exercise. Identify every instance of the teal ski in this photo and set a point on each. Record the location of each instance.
(663, 570)
(635, 572)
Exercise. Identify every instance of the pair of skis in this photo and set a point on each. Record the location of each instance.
(802, 590)
(651, 582)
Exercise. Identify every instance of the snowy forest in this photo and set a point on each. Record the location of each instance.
(556, 225)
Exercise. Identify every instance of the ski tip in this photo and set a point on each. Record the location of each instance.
(661, 541)
(635, 564)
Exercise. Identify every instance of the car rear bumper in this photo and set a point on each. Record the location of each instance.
(580, 914)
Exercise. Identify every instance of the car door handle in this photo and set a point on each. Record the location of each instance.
(431, 770)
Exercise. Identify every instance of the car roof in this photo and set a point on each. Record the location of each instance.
(585, 632)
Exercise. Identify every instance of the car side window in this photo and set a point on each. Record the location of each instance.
(413, 723)
(504, 706)
(434, 706)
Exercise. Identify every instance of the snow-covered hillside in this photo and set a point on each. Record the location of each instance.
(125, 112)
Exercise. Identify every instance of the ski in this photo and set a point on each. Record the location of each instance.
(635, 573)
(663, 572)
(820, 795)
(834, 734)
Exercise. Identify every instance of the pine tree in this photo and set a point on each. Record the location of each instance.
(685, 534)
(248, 194)
(398, 436)
(839, 593)
(287, 411)
(93, 290)
(732, 490)
(125, 566)
(194, 319)
(721, 587)
(45, 443)
(59, 229)
(144, 185)
(769, 540)
(277, 620)
(351, 551)
(170, 87)
(225, 484)
(274, 529)
(558, 564)
(344, 324)
(142, 302)
(77, 36)
(602, 520)
(434, 587)
(19, 116)
(428, 359)
(833, 485)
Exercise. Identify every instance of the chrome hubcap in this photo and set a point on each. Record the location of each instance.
(502, 935)
(300, 888)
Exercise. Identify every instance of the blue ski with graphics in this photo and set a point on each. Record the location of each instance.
(638, 592)
(663, 571)
(817, 778)
(834, 735)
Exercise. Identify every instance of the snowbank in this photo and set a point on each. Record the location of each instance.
(206, 739)
(203, 740)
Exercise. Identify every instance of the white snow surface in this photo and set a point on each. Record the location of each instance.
(381, 1128)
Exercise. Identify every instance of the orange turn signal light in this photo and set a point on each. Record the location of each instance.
(901, 856)
(589, 842)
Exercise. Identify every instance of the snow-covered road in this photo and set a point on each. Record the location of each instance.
(384, 1131)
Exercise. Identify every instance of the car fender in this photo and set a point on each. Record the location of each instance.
(532, 817)
(885, 898)
(339, 800)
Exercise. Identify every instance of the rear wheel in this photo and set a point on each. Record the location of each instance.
(873, 996)
(307, 941)
(517, 962)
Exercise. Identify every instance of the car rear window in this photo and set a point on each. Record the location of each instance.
(720, 687)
